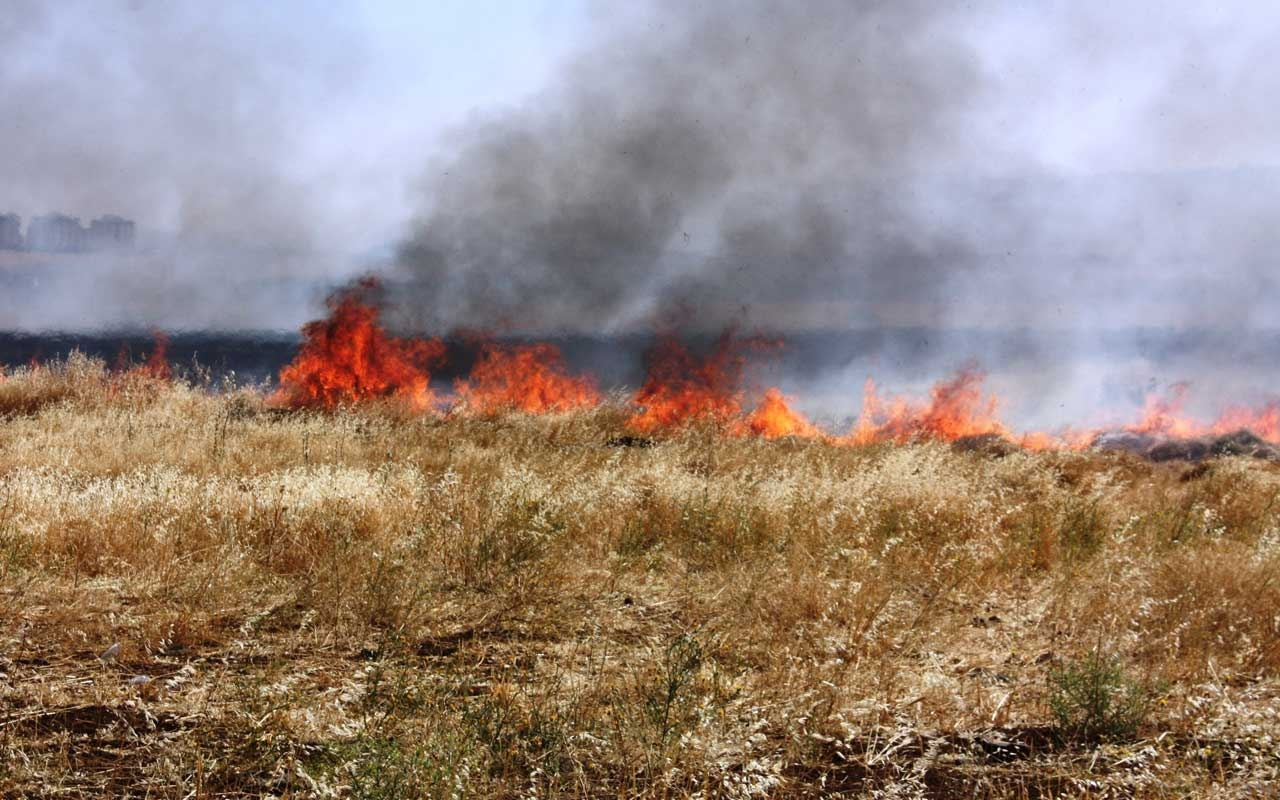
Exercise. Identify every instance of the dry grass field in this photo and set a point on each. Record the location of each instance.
(377, 604)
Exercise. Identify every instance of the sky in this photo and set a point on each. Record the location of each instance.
(551, 163)
(128, 106)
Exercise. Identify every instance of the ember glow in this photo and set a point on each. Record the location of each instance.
(349, 358)
(529, 378)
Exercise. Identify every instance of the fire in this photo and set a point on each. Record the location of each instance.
(349, 358)
(157, 364)
(1264, 421)
(681, 387)
(156, 367)
(956, 408)
(529, 378)
(774, 418)
(1162, 415)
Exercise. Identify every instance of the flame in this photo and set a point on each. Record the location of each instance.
(774, 418)
(956, 408)
(348, 358)
(1264, 421)
(157, 364)
(156, 367)
(529, 378)
(681, 387)
(1162, 415)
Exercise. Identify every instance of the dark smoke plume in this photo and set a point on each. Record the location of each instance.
(704, 157)
(856, 163)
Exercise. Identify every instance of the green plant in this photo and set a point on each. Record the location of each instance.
(1082, 529)
(667, 698)
(1094, 699)
(523, 735)
(409, 744)
(389, 768)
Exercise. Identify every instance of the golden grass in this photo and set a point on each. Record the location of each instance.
(375, 604)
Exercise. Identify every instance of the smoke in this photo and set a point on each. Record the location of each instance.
(933, 174)
(688, 160)
(853, 164)
(168, 113)
(195, 123)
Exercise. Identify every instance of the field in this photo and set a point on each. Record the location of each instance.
(374, 603)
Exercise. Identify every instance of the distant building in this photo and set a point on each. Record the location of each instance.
(111, 233)
(56, 233)
(10, 232)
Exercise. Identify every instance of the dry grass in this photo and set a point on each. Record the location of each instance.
(369, 604)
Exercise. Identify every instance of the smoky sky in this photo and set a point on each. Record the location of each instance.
(826, 164)
(686, 163)
(185, 120)
(852, 163)
(194, 123)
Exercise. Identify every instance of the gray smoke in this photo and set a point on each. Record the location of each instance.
(190, 120)
(700, 156)
(1076, 172)
(165, 112)
(854, 163)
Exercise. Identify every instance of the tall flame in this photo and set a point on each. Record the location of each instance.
(1264, 421)
(157, 364)
(529, 378)
(348, 358)
(156, 367)
(1162, 415)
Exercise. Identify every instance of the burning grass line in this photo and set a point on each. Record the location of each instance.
(349, 359)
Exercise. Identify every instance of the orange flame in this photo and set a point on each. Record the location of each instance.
(348, 358)
(956, 408)
(529, 378)
(681, 387)
(156, 367)
(775, 418)
(1162, 415)
(1264, 421)
(157, 364)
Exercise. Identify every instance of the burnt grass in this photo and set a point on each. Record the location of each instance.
(371, 603)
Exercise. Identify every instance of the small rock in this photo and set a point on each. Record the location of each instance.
(109, 655)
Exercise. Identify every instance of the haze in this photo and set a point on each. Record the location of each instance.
(1060, 168)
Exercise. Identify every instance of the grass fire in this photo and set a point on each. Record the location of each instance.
(578, 400)
(349, 359)
(355, 583)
